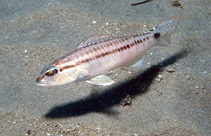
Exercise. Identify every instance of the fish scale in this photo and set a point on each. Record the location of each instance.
(113, 47)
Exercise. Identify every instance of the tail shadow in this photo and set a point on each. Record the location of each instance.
(104, 101)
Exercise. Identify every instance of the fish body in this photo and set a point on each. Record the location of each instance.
(101, 54)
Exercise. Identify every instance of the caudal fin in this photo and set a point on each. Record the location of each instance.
(163, 31)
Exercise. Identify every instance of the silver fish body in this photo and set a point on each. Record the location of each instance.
(101, 54)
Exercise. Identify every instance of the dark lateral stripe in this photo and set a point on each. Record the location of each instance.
(127, 46)
(66, 67)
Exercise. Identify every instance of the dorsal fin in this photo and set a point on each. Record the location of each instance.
(126, 31)
(96, 39)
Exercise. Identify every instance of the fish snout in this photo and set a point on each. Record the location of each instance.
(39, 79)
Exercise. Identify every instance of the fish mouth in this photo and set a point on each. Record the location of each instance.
(42, 84)
(39, 81)
(40, 78)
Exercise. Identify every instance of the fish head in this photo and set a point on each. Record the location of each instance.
(52, 75)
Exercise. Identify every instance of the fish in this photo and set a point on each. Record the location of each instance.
(103, 53)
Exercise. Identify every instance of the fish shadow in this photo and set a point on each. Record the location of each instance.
(102, 102)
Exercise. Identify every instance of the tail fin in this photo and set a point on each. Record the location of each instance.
(163, 31)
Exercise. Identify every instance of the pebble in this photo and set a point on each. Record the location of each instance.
(127, 101)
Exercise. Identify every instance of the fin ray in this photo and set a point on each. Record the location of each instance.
(164, 31)
(96, 39)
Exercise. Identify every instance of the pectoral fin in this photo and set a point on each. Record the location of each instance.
(101, 80)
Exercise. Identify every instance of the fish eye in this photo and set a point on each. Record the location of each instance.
(51, 71)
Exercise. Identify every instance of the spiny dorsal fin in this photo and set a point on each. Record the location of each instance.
(126, 31)
(97, 39)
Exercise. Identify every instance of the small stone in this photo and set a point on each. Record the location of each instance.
(159, 78)
(170, 70)
(94, 22)
(28, 132)
(127, 101)
(159, 94)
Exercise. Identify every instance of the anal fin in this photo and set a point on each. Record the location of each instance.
(138, 63)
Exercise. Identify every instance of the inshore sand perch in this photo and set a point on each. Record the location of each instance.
(100, 54)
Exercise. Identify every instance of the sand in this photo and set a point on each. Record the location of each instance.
(169, 95)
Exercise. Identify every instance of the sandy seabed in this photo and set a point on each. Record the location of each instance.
(169, 95)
